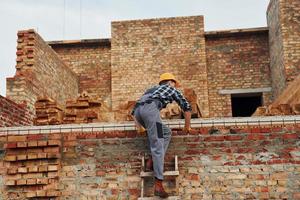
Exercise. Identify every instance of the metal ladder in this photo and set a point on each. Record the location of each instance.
(145, 174)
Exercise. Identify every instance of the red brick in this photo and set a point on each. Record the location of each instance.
(41, 193)
(54, 143)
(42, 143)
(22, 157)
(53, 193)
(42, 181)
(214, 138)
(10, 145)
(19, 138)
(52, 168)
(32, 156)
(32, 144)
(100, 173)
(33, 169)
(21, 144)
(22, 170)
(233, 137)
(42, 155)
(291, 136)
(21, 182)
(51, 149)
(10, 182)
(31, 194)
(35, 137)
(43, 168)
(10, 158)
(255, 137)
(31, 181)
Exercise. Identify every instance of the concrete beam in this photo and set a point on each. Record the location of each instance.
(245, 91)
(127, 126)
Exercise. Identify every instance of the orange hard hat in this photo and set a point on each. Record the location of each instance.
(167, 77)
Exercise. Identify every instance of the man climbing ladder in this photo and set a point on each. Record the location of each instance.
(147, 113)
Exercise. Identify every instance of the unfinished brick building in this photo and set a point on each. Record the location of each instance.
(226, 69)
(97, 80)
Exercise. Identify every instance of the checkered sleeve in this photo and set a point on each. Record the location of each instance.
(183, 103)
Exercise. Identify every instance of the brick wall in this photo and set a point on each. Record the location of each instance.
(143, 49)
(251, 162)
(236, 61)
(13, 114)
(90, 60)
(39, 72)
(2, 166)
(283, 18)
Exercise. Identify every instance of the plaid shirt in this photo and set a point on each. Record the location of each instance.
(167, 94)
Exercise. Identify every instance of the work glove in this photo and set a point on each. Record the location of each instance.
(187, 129)
(141, 130)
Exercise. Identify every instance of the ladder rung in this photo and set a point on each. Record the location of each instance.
(158, 198)
(166, 173)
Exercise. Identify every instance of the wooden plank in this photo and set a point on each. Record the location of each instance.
(166, 173)
(290, 95)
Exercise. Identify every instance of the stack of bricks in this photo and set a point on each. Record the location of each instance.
(13, 114)
(47, 112)
(82, 110)
(172, 111)
(33, 165)
(191, 97)
(124, 111)
(281, 109)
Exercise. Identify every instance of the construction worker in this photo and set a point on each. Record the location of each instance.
(147, 113)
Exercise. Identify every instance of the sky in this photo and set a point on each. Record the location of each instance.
(91, 19)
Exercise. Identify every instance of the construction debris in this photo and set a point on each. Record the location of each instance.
(288, 103)
(47, 112)
(281, 109)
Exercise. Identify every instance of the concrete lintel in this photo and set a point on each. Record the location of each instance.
(244, 91)
(129, 126)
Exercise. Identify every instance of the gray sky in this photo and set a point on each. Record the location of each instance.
(60, 19)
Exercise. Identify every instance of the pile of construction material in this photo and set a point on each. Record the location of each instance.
(82, 110)
(281, 109)
(172, 111)
(124, 111)
(191, 97)
(287, 103)
(47, 112)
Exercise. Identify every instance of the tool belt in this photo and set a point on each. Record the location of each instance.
(148, 101)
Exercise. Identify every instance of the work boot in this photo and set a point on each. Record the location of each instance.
(149, 164)
(159, 189)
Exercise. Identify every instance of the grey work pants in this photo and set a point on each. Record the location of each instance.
(159, 135)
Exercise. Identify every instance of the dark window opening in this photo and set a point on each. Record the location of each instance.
(244, 105)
